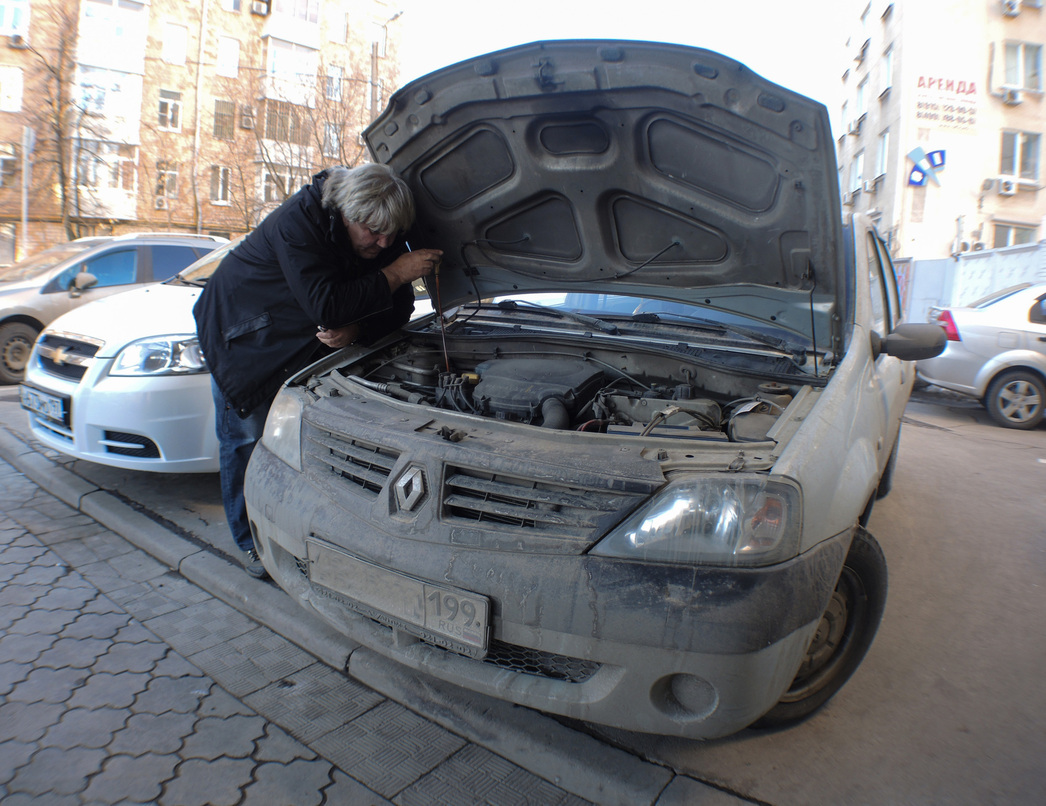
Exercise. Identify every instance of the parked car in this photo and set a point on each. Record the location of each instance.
(121, 381)
(643, 505)
(37, 290)
(996, 352)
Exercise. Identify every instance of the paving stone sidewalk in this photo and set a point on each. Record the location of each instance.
(121, 682)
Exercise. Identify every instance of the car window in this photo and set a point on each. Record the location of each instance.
(44, 261)
(168, 259)
(880, 305)
(118, 267)
(1038, 311)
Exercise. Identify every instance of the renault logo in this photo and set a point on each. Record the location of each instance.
(410, 489)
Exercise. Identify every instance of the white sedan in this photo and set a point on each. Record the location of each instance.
(121, 381)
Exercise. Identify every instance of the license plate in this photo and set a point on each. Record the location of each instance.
(53, 407)
(440, 614)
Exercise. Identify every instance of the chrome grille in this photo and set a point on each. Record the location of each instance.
(362, 463)
(66, 356)
(545, 507)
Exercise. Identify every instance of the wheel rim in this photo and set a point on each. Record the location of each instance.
(1019, 401)
(832, 639)
(16, 354)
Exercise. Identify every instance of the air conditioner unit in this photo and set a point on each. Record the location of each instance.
(848, 199)
(854, 127)
(978, 246)
(869, 186)
(246, 117)
(988, 184)
(1007, 187)
(261, 7)
(17, 41)
(1011, 97)
(161, 203)
(1011, 8)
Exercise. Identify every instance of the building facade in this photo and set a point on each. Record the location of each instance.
(167, 115)
(940, 130)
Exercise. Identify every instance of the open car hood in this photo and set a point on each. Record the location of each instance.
(627, 167)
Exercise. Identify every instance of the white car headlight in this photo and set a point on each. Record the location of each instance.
(715, 520)
(160, 355)
(282, 435)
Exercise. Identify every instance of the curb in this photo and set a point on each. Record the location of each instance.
(525, 737)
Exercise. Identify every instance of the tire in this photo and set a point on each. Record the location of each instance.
(842, 639)
(16, 340)
(1016, 399)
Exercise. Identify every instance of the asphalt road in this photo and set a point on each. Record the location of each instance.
(948, 706)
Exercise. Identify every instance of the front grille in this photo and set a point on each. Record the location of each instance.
(65, 356)
(362, 463)
(122, 444)
(525, 660)
(545, 507)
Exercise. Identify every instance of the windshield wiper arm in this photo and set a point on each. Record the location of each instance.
(591, 321)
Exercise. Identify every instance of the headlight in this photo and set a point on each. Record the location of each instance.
(714, 520)
(160, 355)
(282, 435)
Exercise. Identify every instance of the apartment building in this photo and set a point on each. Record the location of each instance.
(178, 115)
(940, 131)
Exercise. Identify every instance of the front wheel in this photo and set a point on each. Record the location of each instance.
(1015, 399)
(843, 636)
(16, 340)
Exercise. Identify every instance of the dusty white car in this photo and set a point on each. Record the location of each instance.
(642, 505)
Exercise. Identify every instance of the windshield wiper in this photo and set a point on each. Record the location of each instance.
(707, 324)
(179, 280)
(591, 321)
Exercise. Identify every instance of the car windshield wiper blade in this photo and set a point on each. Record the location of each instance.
(179, 280)
(707, 324)
(591, 321)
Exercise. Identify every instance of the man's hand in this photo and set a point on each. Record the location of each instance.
(409, 266)
(338, 337)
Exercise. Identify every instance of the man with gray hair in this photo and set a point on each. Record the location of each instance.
(327, 268)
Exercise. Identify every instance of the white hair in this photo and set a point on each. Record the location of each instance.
(371, 195)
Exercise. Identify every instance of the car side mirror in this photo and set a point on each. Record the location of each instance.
(910, 342)
(82, 280)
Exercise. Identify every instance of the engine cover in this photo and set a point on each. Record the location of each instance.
(518, 386)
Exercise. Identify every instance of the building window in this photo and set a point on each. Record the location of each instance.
(224, 120)
(331, 140)
(166, 180)
(231, 5)
(283, 123)
(11, 85)
(334, 79)
(228, 57)
(14, 17)
(857, 172)
(105, 165)
(1023, 66)
(1020, 155)
(307, 10)
(170, 111)
(884, 153)
(221, 178)
(8, 164)
(1012, 235)
(175, 43)
(887, 71)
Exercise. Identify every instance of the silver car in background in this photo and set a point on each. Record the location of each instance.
(996, 352)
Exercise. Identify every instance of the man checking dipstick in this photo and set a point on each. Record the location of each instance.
(326, 269)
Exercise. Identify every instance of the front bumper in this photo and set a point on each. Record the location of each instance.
(160, 424)
(657, 648)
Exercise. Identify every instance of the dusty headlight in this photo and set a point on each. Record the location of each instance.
(282, 435)
(714, 520)
(160, 355)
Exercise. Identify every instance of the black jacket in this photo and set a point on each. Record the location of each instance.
(259, 312)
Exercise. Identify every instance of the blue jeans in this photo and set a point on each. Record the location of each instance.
(237, 437)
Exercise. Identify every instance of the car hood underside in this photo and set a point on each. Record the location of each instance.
(632, 167)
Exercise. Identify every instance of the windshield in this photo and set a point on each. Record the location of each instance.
(200, 271)
(43, 261)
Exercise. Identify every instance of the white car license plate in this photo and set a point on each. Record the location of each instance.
(443, 615)
(53, 407)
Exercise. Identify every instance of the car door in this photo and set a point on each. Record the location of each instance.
(114, 269)
(892, 377)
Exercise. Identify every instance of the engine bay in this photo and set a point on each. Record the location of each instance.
(635, 394)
